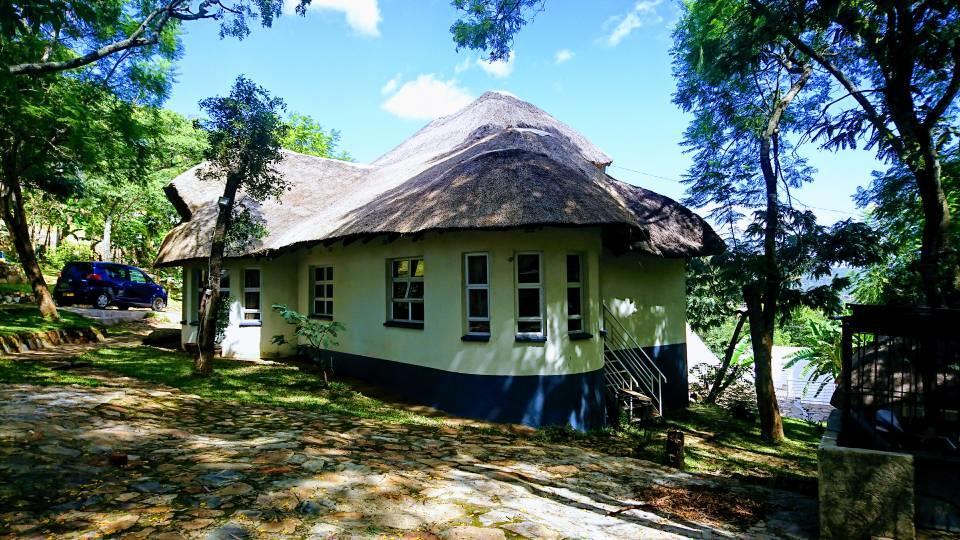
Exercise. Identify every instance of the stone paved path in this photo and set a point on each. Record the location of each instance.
(209, 469)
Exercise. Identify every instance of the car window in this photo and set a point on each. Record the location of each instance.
(136, 276)
(115, 272)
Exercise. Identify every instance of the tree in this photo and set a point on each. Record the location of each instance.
(307, 136)
(896, 211)
(55, 132)
(42, 37)
(747, 101)
(489, 25)
(244, 132)
(898, 61)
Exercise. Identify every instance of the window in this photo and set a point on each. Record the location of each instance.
(477, 270)
(137, 276)
(529, 294)
(575, 293)
(323, 291)
(406, 290)
(251, 294)
(200, 283)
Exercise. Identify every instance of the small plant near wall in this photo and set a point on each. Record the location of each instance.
(319, 336)
(223, 317)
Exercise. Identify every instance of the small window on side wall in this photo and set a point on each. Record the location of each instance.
(251, 295)
(200, 284)
(529, 278)
(477, 279)
(322, 277)
(406, 290)
(575, 283)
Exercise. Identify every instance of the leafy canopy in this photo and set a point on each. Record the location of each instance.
(490, 25)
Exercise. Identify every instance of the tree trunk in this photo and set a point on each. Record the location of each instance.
(206, 338)
(718, 383)
(936, 226)
(106, 245)
(761, 335)
(14, 217)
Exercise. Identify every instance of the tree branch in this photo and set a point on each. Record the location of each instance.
(948, 95)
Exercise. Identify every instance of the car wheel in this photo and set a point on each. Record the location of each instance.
(102, 301)
(158, 304)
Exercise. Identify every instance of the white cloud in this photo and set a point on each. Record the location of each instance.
(362, 15)
(426, 98)
(463, 66)
(391, 85)
(498, 68)
(563, 55)
(644, 13)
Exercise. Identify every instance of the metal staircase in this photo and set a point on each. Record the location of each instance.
(633, 382)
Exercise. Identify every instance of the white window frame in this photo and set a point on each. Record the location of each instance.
(479, 287)
(200, 283)
(579, 285)
(539, 286)
(258, 290)
(408, 279)
(321, 282)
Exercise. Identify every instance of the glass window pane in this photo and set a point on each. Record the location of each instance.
(573, 268)
(528, 302)
(329, 291)
(575, 325)
(528, 327)
(318, 291)
(573, 301)
(418, 268)
(401, 310)
(251, 278)
(329, 273)
(252, 316)
(318, 306)
(401, 268)
(400, 289)
(478, 303)
(225, 279)
(479, 327)
(416, 289)
(416, 311)
(251, 300)
(319, 273)
(477, 269)
(528, 268)
(329, 310)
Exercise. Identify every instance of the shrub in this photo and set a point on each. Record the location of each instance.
(65, 253)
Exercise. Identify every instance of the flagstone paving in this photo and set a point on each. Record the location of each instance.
(211, 469)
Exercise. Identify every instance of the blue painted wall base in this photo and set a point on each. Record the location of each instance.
(575, 400)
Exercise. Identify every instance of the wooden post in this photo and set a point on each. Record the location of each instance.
(675, 451)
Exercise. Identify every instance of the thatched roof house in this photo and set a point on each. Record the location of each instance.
(499, 163)
(531, 247)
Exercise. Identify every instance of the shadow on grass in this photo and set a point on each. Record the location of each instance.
(20, 372)
(27, 320)
(247, 382)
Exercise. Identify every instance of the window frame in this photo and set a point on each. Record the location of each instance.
(532, 336)
(582, 317)
(200, 284)
(244, 321)
(467, 287)
(314, 282)
(409, 322)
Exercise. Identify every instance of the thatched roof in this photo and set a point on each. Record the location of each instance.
(498, 163)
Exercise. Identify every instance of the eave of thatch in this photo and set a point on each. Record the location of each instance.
(499, 163)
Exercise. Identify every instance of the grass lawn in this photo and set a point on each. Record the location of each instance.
(6, 288)
(27, 320)
(18, 372)
(257, 384)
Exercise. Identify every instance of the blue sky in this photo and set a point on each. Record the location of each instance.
(377, 70)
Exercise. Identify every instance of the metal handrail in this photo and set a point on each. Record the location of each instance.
(614, 318)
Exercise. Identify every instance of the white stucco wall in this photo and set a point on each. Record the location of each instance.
(653, 288)
(648, 295)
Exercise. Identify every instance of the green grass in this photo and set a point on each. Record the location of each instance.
(244, 382)
(6, 288)
(20, 372)
(27, 320)
(716, 444)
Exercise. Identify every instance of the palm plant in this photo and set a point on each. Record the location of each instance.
(821, 355)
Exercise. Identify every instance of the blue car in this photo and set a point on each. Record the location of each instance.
(105, 284)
